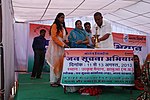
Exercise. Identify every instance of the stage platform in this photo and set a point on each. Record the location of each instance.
(40, 89)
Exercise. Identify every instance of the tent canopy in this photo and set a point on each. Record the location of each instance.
(131, 13)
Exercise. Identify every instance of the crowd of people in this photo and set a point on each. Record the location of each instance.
(79, 37)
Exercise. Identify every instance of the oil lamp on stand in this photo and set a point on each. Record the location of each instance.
(96, 39)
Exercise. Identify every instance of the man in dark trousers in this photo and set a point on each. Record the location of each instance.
(39, 49)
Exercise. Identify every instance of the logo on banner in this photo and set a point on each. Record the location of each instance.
(125, 38)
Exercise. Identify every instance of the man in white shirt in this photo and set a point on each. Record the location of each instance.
(105, 39)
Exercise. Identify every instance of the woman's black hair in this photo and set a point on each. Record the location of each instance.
(58, 24)
(77, 22)
(136, 56)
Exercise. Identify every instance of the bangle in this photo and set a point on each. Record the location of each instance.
(82, 42)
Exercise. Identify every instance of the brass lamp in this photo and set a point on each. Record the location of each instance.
(96, 39)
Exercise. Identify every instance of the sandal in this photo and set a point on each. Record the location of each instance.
(54, 85)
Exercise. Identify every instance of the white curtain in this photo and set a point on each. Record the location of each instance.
(8, 46)
(21, 44)
(147, 43)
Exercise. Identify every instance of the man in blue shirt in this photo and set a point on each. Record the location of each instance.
(39, 49)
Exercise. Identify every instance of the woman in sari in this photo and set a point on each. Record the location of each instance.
(55, 51)
(137, 73)
(78, 37)
(137, 69)
(147, 60)
(146, 69)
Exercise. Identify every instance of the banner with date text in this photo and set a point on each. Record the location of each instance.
(131, 41)
(98, 67)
